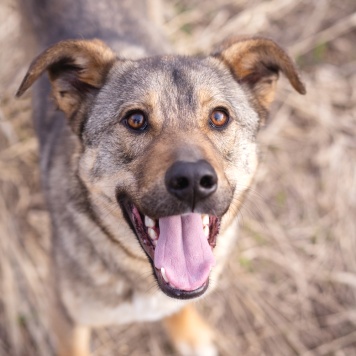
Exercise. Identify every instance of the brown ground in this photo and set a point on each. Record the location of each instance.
(290, 286)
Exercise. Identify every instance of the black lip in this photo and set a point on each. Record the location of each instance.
(126, 207)
(178, 293)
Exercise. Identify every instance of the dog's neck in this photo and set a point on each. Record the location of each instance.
(125, 28)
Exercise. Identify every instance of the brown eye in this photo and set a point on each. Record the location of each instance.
(136, 121)
(219, 118)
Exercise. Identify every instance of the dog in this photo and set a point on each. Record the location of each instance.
(146, 158)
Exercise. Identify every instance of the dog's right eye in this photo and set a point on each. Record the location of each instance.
(136, 120)
(219, 118)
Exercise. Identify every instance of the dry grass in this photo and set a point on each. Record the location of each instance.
(290, 288)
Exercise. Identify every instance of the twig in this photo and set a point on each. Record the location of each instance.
(332, 346)
(327, 35)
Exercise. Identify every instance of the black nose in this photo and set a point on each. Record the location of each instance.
(191, 181)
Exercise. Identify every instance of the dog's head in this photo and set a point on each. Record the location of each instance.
(168, 141)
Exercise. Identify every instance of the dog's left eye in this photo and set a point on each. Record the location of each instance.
(136, 121)
(219, 118)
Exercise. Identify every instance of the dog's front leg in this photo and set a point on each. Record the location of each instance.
(69, 339)
(190, 334)
(72, 340)
(77, 342)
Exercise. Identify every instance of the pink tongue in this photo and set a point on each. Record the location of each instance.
(183, 251)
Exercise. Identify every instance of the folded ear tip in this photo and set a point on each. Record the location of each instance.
(300, 88)
(23, 86)
(19, 92)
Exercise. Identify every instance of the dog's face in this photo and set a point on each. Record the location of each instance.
(168, 142)
(175, 138)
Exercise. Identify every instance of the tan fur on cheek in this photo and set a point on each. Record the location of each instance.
(104, 184)
(242, 178)
(102, 197)
(86, 164)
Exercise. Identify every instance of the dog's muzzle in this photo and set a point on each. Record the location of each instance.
(180, 244)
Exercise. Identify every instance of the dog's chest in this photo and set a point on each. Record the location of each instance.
(149, 308)
(140, 307)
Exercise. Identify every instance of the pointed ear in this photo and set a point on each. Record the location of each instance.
(256, 62)
(75, 68)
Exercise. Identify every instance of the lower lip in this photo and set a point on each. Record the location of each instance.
(177, 293)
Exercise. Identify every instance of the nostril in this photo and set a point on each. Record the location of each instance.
(207, 181)
(191, 182)
(180, 183)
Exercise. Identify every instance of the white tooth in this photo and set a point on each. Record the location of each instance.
(206, 231)
(163, 272)
(205, 219)
(152, 233)
(154, 242)
(149, 222)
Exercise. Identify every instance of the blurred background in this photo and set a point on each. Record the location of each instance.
(290, 285)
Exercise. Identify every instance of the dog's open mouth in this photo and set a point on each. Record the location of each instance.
(180, 248)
